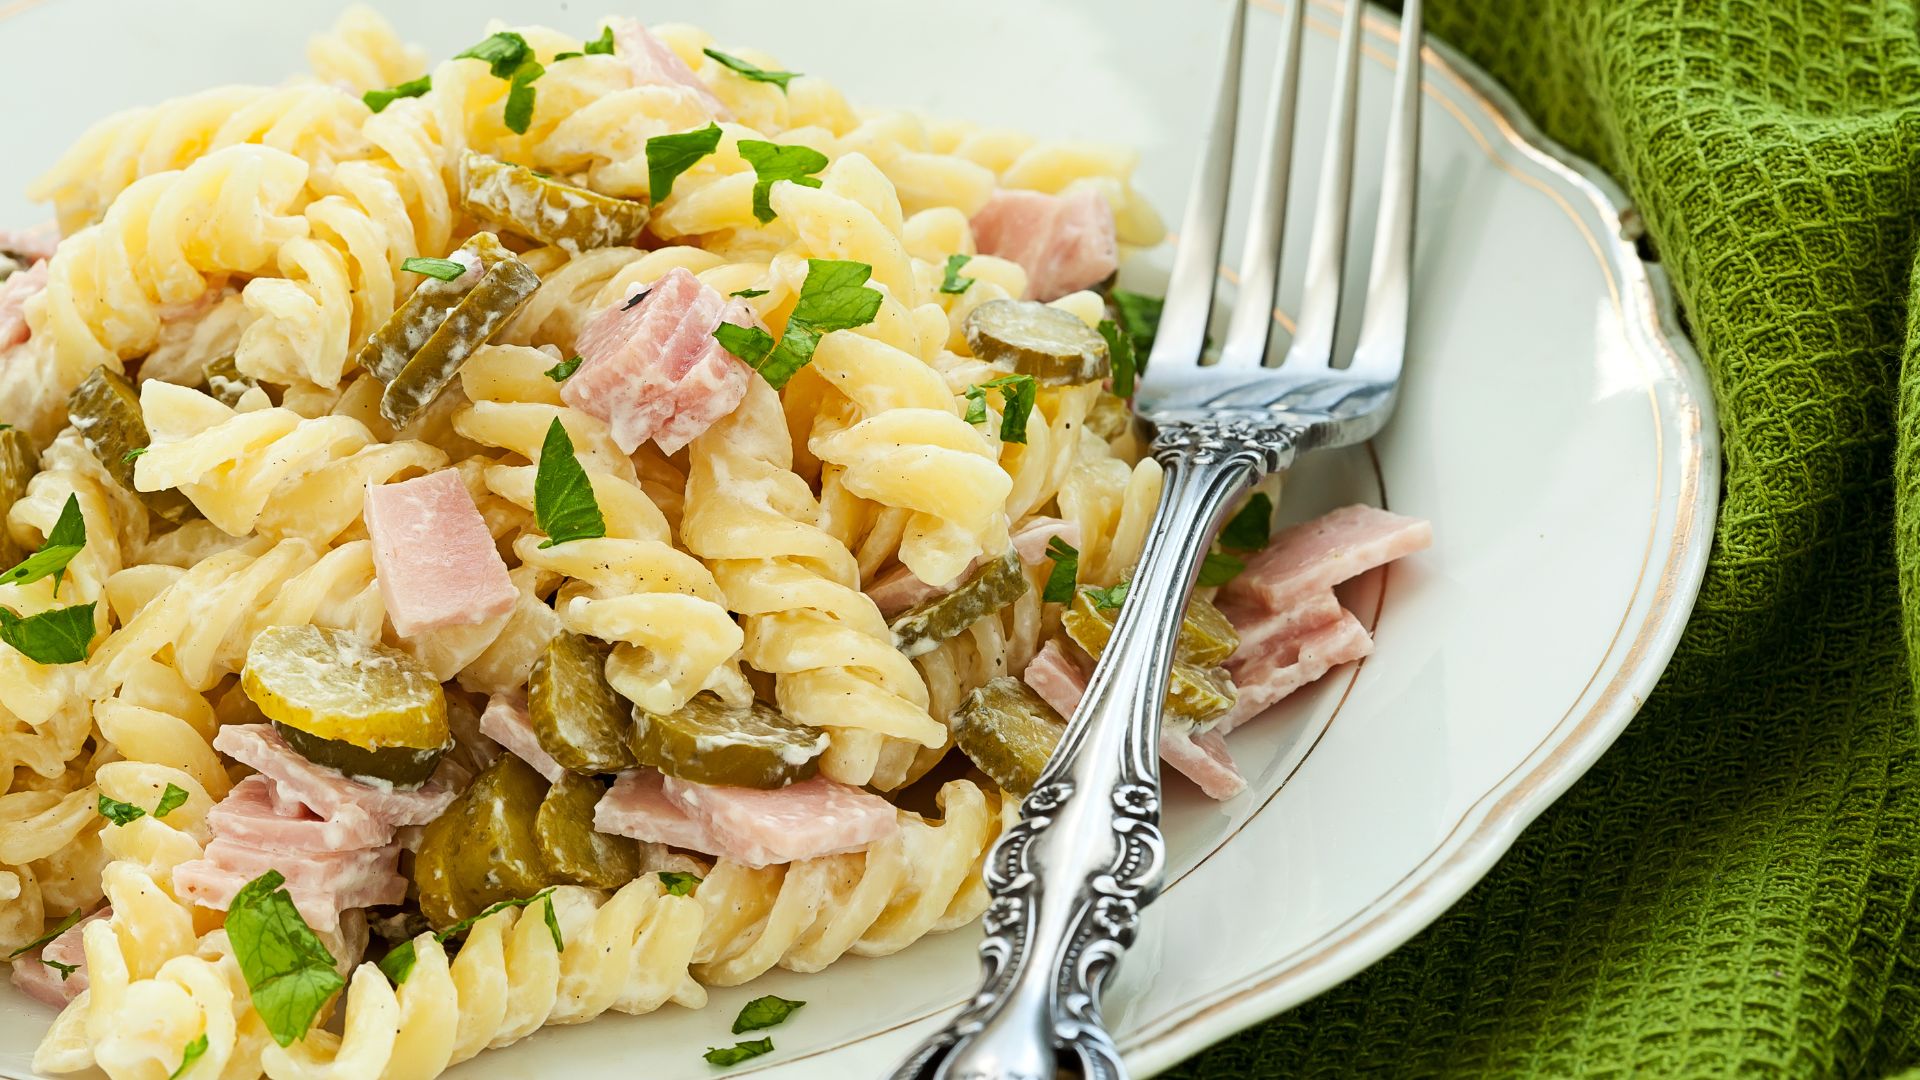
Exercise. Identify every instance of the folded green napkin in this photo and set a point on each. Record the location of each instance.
(1732, 890)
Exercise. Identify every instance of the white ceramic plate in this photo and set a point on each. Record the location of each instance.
(1555, 427)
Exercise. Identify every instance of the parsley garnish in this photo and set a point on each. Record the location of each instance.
(67, 537)
(1218, 569)
(173, 798)
(136, 453)
(750, 343)
(66, 970)
(118, 812)
(563, 502)
(503, 53)
(773, 162)
(1017, 392)
(190, 1055)
(1120, 352)
(1108, 599)
(287, 966)
(670, 155)
(749, 293)
(59, 928)
(438, 269)
(519, 110)
(753, 71)
(1139, 316)
(679, 883)
(6, 427)
(602, 45)
(568, 55)
(1250, 529)
(564, 370)
(378, 100)
(835, 296)
(1066, 569)
(399, 961)
(724, 1056)
(953, 282)
(60, 636)
(764, 1012)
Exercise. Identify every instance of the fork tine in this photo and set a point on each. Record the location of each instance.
(1383, 328)
(1189, 303)
(1252, 322)
(1326, 252)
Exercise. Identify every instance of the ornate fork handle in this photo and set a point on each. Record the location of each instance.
(1069, 880)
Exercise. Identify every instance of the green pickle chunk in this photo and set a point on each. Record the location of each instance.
(1051, 345)
(582, 722)
(993, 586)
(710, 742)
(1009, 732)
(225, 380)
(358, 706)
(421, 347)
(518, 200)
(1200, 690)
(484, 849)
(563, 830)
(18, 463)
(105, 410)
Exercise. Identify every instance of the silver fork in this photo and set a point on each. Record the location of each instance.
(1069, 880)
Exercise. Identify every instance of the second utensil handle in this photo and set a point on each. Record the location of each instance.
(1069, 880)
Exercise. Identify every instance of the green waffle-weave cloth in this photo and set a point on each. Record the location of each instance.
(1731, 891)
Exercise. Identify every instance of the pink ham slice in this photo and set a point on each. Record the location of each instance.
(323, 884)
(434, 558)
(804, 821)
(1064, 242)
(637, 806)
(15, 291)
(653, 63)
(1263, 678)
(1305, 561)
(251, 814)
(653, 369)
(43, 981)
(1200, 757)
(899, 589)
(324, 791)
(32, 244)
(505, 722)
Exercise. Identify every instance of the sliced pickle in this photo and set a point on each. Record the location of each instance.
(18, 463)
(420, 349)
(1009, 732)
(710, 742)
(401, 766)
(993, 586)
(571, 218)
(573, 850)
(1110, 416)
(483, 849)
(1051, 345)
(582, 722)
(1197, 692)
(335, 686)
(1206, 637)
(226, 382)
(105, 410)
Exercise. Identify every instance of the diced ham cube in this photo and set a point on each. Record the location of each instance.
(32, 244)
(1262, 631)
(325, 791)
(1306, 560)
(653, 369)
(1291, 663)
(254, 813)
(14, 293)
(637, 806)
(1064, 242)
(323, 885)
(900, 588)
(653, 63)
(1200, 757)
(435, 560)
(803, 821)
(505, 722)
(44, 982)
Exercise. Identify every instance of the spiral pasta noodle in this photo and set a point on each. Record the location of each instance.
(361, 52)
